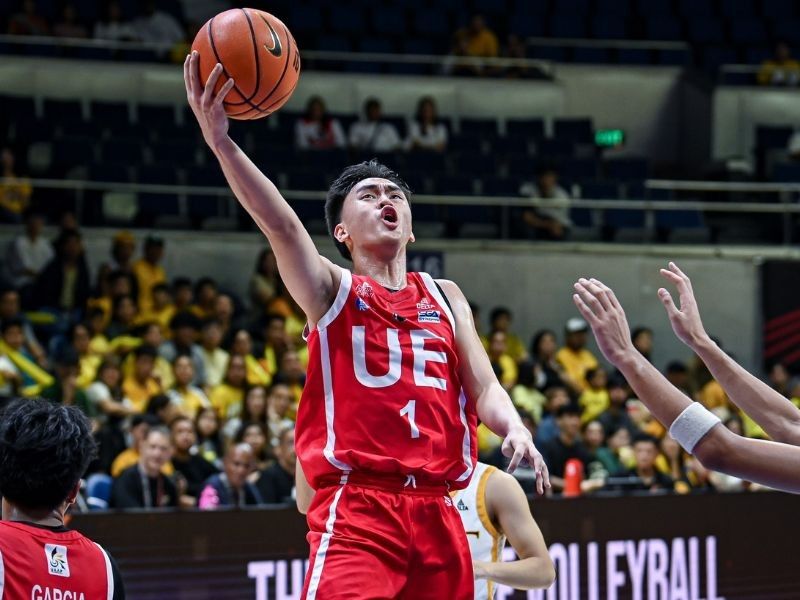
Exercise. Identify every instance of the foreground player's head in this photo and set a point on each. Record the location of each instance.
(44, 451)
(368, 207)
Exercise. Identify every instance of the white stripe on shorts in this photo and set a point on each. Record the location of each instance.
(319, 557)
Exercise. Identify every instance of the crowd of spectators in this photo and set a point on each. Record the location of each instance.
(192, 391)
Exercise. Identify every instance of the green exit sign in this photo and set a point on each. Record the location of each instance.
(609, 137)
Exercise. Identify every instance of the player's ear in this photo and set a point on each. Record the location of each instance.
(411, 238)
(73, 494)
(340, 233)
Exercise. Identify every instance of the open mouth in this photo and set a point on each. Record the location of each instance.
(389, 215)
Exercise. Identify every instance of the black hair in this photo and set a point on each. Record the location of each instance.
(270, 317)
(418, 115)
(68, 357)
(118, 300)
(637, 331)
(568, 409)
(184, 319)
(346, 181)
(210, 322)
(203, 282)
(152, 241)
(616, 380)
(499, 311)
(260, 260)
(159, 287)
(45, 449)
(676, 367)
(7, 324)
(146, 350)
(526, 376)
(537, 340)
(317, 99)
(644, 437)
(157, 403)
(371, 103)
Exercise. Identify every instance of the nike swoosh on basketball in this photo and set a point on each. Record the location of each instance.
(276, 49)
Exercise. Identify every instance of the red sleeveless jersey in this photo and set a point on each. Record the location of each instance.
(38, 564)
(382, 391)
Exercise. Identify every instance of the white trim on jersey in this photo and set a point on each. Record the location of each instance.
(433, 290)
(339, 301)
(327, 384)
(319, 558)
(466, 449)
(109, 573)
(2, 576)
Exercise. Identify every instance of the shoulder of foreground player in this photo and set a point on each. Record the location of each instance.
(455, 296)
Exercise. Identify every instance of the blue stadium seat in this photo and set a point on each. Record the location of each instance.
(500, 186)
(530, 128)
(486, 127)
(176, 152)
(388, 20)
(768, 137)
(555, 147)
(17, 107)
(578, 169)
(674, 57)
(114, 117)
(627, 169)
(738, 8)
(779, 9)
(619, 8)
(748, 31)
(664, 28)
(575, 130)
(679, 219)
(165, 175)
(526, 24)
(32, 130)
(347, 19)
(334, 43)
(787, 29)
(623, 218)
(696, 8)
(634, 56)
(757, 55)
(567, 26)
(573, 8)
(98, 491)
(426, 162)
(63, 110)
(116, 172)
(474, 164)
(305, 19)
(432, 23)
(554, 53)
(73, 151)
(88, 10)
(521, 166)
(716, 56)
(595, 56)
(611, 27)
(786, 173)
(600, 190)
(455, 185)
(655, 8)
(122, 151)
(706, 30)
(418, 46)
(513, 145)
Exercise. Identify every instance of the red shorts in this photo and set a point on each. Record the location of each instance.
(374, 537)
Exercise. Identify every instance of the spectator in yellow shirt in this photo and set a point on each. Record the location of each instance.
(227, 397)
(257, 372)
(15, 192)
(500, 319)
(161, 309)
(478, 40)
(782, 69)
(502, 364)
(140, 385)
(574, 357)
(88, 362)
(594, 400)
(140, 427)
(187, 397)
(205, 298)
(149, 271)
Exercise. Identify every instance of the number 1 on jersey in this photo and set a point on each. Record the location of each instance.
(410, 409)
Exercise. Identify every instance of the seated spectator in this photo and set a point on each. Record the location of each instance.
(29, 252)
(149, 272)
(110, 285)
(371, 134)
(205, 298)
(79, 338)
(276, 342)
(28, 21)
(642, 338)
(265, 284)
(10, 380)
(276, 482)
(69, 26)
(781, 69)
(500, 320)
(148, 334)
(15, 191)
(778, 378)
(293, 374)
(677, 373)
(140, 385)
(525, 395)
(231, 488)
(279, 401)
(96, 323)
(503, 365)
(550, 221)
(123, 247)
(227, 397)
(619, 445)
(257, 373)
(182, 294)
(475, 41)
(254, 434)
(188, 398)
(209, 440)
(105, 395)
(574, 357)
(643, 420)
(64, 283)
(64, 387)
(21, 370)
(555, 397)
(224, 312)
(317, 130)
(594, 400)
(254, 409)
(185, 328)
(10, 309)
(140, 425)
(157, 26)
(547, 369)
(144, 485)
(161, 308)
(645, 450)
(123, 317)
(515, 49)
(565, 445)
(215, 359)
(161, 407)
(600, 457)
(187, 460)
(426, 132)
(112, 27)
(616, 415)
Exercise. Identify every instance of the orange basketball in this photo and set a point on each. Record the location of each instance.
(258, 52)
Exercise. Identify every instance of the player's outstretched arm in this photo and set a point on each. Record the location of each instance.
(770, 463)
(495, 408)
(776, 414)
(508, 507)
(311, 279)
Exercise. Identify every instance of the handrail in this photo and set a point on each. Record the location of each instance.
(592, 43)
(444, 200)
(721, 186)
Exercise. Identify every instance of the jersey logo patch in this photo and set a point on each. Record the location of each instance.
(428, 316)
(448, 501)
(361, 305)
(424, 304)
(461, 505)
(364, 289)
(57, 563)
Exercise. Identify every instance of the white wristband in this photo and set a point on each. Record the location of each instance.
(692, 424)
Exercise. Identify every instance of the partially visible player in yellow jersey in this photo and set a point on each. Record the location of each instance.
(494, 508)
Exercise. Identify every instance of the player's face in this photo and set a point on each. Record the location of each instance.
(376, 215)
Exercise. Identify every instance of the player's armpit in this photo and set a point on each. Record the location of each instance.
(303, 491)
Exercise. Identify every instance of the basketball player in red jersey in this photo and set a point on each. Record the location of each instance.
(397, 380)
(44, 451)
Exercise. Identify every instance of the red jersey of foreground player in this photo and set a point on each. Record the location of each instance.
(383, 393)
